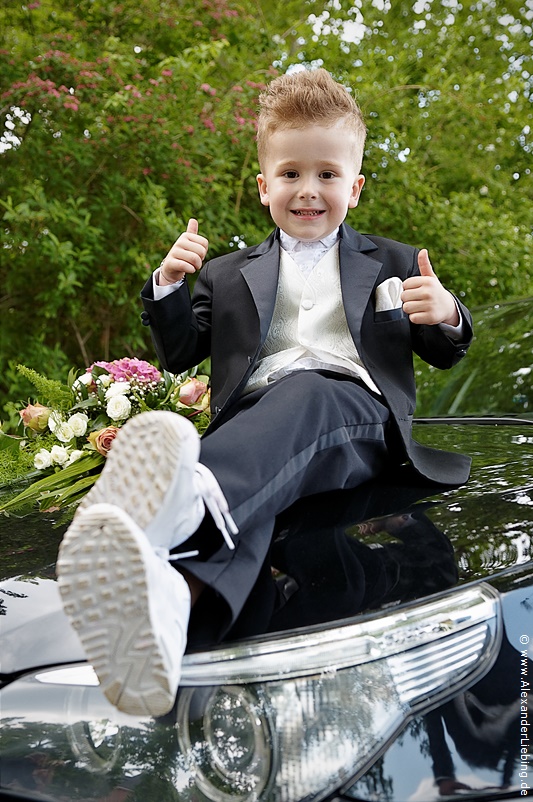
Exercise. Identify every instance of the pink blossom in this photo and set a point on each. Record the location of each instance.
(102, 440)
(208, 89)
(208, 122)
(127, 369)
(166, 73)
(35, 417)
(191, 392)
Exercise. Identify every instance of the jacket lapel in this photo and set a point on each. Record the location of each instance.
(359, 273)
(261, 275)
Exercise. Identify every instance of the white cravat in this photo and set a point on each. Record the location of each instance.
(307, 254)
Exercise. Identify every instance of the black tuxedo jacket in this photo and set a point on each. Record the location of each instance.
(230, 312)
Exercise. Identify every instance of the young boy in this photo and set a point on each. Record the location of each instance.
(311, 337)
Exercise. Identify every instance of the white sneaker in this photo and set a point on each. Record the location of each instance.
(129, 606)
(150, 473)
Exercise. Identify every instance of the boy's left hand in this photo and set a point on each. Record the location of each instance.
(424, 298)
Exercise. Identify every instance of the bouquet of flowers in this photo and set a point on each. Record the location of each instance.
(66, 439)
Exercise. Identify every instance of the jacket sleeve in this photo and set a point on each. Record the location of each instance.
(433, 344)
(180, 326)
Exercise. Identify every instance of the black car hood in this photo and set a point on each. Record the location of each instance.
(333, 556)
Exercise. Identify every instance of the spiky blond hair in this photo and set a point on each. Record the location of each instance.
(308, 97)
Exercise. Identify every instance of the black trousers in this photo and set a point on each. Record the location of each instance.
(307, 433)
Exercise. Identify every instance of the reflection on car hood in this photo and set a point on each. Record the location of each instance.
(333, 556)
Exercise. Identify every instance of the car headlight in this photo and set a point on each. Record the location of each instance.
(267, 720)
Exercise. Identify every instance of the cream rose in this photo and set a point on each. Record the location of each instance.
(54, 421)
(59, 455)
(64, 432)
(42, 460)
(75, 455)
(78, 423)
(116, 389)
(118, 407)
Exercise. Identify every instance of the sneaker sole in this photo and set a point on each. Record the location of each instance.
(104, 586)
(147, 462)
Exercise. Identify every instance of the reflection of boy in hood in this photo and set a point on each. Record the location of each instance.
(483, 723)
(325, 574)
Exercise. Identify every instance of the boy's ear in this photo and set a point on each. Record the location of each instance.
(263, 190)
(356, 191)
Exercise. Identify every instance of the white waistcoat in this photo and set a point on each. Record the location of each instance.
(308, 328)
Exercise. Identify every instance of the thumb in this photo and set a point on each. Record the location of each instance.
(192, 226)
(424, 265)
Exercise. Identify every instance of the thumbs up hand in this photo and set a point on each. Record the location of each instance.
(186, 255)
(424, 298)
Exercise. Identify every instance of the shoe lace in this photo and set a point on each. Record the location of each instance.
(215, 501)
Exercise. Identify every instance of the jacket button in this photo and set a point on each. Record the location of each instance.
(145, 318)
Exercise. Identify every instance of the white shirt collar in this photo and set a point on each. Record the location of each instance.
(291, 244)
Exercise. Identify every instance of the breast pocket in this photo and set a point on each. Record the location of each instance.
(389, 315)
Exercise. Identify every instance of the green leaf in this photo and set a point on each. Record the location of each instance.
(60, 480)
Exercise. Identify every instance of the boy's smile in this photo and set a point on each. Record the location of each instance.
(309, 179)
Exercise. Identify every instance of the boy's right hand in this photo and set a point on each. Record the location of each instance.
(186, 255)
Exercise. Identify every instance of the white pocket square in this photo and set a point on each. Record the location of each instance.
(388, 294)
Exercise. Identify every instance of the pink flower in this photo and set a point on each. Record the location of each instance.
(102, 440)
(35, 417)
(167, 73)
(191, 392)
(126, 369)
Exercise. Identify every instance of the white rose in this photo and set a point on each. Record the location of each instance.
(42, 460)
(54, 421)
(116, 389)
(118, 407)
(78, 423)
(59, 455)
(64, 432)
(74, 455)
(104, 379)
(85, 379)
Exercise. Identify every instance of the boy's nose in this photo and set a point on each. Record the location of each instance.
(308, 190)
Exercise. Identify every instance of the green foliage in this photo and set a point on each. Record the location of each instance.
(52, 393)
(121, 121)
(496, 377)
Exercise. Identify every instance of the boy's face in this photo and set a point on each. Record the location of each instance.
(309, 179)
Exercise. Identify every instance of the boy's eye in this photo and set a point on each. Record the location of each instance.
(290, 174)
(327, 174)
